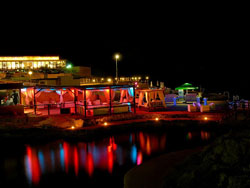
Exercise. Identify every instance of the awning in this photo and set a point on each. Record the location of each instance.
(186, 86)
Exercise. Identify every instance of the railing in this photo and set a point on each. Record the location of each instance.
(76, 108)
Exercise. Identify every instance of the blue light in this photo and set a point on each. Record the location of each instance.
(28, 169)
(52, 156)
(131, 138)
(131, 91)
(61, 156)
(41, 161)
(205, 101)
(119, 155)
(133, 154)
(174, 101)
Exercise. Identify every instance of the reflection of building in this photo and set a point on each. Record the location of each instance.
(31, 62)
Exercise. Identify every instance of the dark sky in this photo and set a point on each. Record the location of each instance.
(207, 49)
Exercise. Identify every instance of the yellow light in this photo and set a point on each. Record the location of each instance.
(109, 79)
(205, 118)
(30, 72)
(105, 124)
(102, 79)
(117, 56)
(93, 80)
(139, 78)
(157, 119)
(28, 58)
(147, 77)
(73, 127)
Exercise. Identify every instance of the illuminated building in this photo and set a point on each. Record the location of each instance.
(30, 62)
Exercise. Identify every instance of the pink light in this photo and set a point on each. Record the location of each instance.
(139, 158)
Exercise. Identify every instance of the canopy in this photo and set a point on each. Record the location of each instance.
(146, 97)
(48, 96)
(186, 86)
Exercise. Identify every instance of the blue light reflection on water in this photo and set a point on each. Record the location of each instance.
(52, 156)
(61, 156)
(104, 155)
(28, 169)
(133, 154)
(41, 161)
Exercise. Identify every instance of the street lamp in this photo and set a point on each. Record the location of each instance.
(117, 56)
(30, 73)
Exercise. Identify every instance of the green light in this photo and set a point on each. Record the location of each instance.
(69, 66)
(186, 86)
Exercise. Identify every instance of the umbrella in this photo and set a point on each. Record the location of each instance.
(48, 96)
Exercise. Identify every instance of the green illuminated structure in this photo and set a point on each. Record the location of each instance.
(186, 86)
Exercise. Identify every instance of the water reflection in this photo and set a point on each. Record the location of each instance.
(84, 158)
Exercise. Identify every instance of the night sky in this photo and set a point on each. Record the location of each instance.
(209, 50)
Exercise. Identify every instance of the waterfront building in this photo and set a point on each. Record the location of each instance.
(15, 63)
(83, 100)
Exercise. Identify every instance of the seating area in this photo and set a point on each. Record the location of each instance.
(100, 100)
(151, 99)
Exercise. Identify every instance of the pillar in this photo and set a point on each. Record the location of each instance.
(205, 101)
(174, 99)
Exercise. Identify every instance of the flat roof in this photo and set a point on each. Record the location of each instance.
(28, 58)
(89, 87)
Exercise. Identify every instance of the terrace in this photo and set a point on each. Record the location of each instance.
(83, 100)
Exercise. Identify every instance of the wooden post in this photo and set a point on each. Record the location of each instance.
(34, 100)
(20, 97)
(48, 109)
(75, 101)
(110, 101)
(134, 99)
(85, 103)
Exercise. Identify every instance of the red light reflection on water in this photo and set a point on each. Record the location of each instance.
(139, 158)
(66, 156)
(189, 136)
(76, 161)
(86, 157)
(32, 166)
(148, 148)
(205, 135)
(90, 164)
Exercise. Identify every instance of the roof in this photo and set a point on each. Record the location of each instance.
(88, 87)
(149, 90)
(186, 86)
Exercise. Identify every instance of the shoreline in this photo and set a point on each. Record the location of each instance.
(48, 133)
(184, 168)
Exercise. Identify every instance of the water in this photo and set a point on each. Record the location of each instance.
(100, 163)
